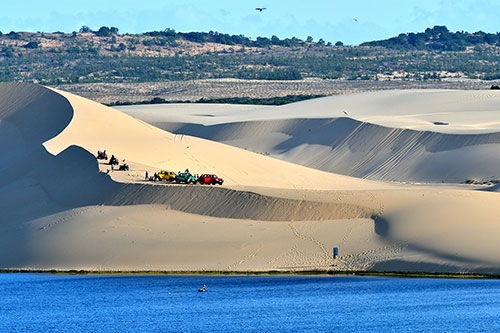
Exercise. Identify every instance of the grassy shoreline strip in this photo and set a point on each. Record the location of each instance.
(263, 273)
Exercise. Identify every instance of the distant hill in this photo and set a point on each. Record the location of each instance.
(439, 38)
(105, 56)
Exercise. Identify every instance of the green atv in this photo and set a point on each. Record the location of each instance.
(186, 178)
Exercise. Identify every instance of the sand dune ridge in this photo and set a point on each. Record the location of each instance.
(359, 149)
(227, 203)
(63, 209)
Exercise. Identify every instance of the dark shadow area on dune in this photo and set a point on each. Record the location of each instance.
(29, 115)
(32, 178)
(227, 203)
(382, 228)
(72, 179)
(331, 132)
(33, 114)
(355, 148)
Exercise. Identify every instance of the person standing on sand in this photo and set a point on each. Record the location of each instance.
(147, 174)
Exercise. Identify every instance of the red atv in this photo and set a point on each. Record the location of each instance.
(101, 155)
(210, 179)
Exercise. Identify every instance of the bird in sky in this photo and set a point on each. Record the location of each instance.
(260, 8)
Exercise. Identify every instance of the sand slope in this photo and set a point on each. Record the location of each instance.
(63, 209)
(417, 136)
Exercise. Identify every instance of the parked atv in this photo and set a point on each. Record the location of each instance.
(210, 179)
(165, 175)
(101, 155)
(123, 167)
(113, 160)
(186, 178)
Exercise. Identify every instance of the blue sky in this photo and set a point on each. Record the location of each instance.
(351, 22)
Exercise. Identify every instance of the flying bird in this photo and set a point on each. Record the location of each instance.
(260, 8)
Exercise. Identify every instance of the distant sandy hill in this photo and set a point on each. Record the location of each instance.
(408, 135)
(283, 208)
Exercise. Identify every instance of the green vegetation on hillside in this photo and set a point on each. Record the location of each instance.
(105, 55)
(230, 100)
(438, 38)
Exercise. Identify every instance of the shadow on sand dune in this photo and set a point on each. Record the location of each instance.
(29, 115)
(33, 182)
(227, 203)
(450, 262)
(32, 114)
(359, 149)
(381, 226)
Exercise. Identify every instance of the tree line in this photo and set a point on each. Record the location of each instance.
(278, 100)
(111, 58)
(438, 38)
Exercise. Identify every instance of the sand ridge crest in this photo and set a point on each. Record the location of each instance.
(227, 203)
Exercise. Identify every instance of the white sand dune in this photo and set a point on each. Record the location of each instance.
(283, 205)
(418, 136)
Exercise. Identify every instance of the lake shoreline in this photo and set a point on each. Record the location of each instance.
(264, 273)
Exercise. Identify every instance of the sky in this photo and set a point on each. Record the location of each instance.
(350, 21)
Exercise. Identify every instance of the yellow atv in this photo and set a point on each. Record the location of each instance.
(165, 175)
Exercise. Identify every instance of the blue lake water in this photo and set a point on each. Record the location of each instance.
(165, 303)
